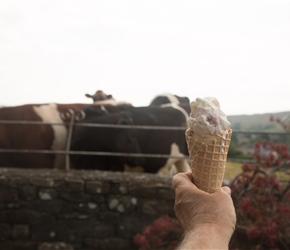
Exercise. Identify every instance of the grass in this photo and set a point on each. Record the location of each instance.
(282, 176)
(232, 170)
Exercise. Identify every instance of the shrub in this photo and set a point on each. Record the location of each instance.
(262, 199)
(163, 233)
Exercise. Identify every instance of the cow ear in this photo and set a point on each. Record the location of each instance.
(88, 95)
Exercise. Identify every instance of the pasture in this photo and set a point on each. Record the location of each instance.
(232, 170)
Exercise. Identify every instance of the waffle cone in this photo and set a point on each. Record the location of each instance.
(208, 161)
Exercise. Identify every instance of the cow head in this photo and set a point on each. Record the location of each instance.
(100, 96)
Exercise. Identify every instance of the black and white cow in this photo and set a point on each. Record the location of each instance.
(158, 142)
(166, 98)
(105, 139)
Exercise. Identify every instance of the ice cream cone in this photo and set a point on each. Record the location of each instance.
(208, 160)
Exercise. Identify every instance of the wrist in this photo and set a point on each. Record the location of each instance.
(206, 236)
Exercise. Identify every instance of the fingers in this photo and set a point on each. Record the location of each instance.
(181, 179)
(227, 190)
(189, 175)
(186, 180)
(183, 184)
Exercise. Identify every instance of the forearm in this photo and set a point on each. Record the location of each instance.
(205, 237)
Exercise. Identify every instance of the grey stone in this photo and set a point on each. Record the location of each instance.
(55, 246)
(20, 231)
(8, 194)
(97, 187)
(42, 182)
(28, 192)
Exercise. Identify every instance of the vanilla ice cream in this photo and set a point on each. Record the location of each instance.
(208, 137)
(207, 121)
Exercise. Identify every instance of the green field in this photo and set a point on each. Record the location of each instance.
(232, 170)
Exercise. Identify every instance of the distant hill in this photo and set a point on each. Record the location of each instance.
(242, 144)
(257, 122)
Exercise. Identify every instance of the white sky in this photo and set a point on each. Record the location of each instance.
(237, 51)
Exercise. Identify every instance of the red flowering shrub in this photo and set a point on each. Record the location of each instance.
(163, 233)
(262, 200)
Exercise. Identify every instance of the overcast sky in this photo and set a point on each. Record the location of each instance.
(57, 51)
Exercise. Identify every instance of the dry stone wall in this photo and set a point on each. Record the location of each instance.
(78, 210)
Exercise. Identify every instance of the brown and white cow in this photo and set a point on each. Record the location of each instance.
(158, 142)
(35, 136)
(100, 95)
(101, 98)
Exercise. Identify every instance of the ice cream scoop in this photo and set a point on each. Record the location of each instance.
(208, 139)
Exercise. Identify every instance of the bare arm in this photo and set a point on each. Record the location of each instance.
(208, 220)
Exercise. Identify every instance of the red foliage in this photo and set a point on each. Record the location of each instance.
(163, 233)
(262, 202)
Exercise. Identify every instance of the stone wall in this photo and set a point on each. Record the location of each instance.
(70, 210)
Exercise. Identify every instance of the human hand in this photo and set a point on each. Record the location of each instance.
(196, 209)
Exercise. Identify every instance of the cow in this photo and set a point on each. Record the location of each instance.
(27, 136)
(105, 139)
(165, 98)
(169, 98)
(160, 142)
(101, 98)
